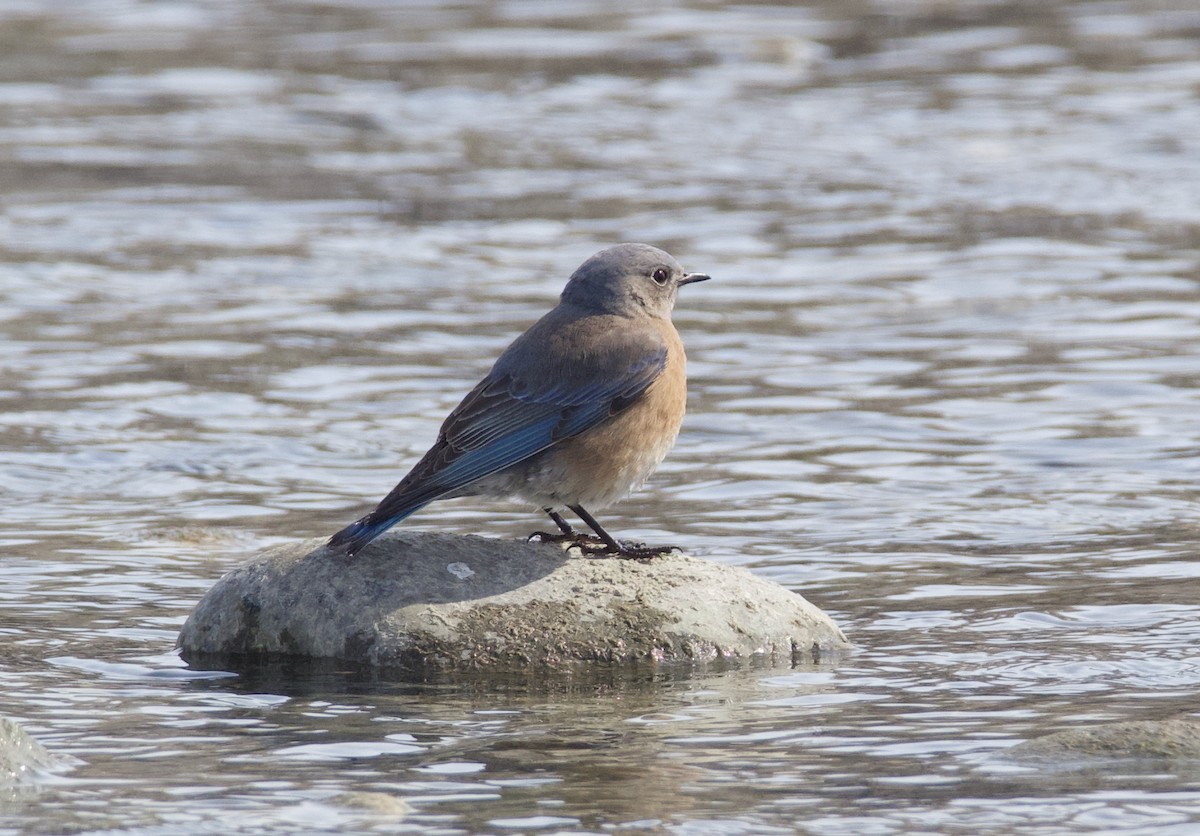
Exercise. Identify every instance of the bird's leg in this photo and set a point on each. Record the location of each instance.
(613, 546)
(563, 525)
(568, 533)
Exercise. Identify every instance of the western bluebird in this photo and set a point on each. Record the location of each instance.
(579, 410)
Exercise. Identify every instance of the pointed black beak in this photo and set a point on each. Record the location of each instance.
(688, 278)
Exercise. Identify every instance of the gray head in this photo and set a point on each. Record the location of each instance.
(629, 280)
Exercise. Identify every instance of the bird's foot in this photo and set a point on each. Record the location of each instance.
(629, 550)
(593, 546)
(575, 538)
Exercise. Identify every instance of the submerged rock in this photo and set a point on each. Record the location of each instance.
(439, 602)
(1174, 739)
(22, 757)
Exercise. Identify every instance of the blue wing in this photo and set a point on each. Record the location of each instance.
(525, 405)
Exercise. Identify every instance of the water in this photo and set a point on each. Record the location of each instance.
(944, 385)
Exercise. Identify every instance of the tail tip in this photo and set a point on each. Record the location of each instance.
(353, 538)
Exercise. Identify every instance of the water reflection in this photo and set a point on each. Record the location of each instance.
(945, 386)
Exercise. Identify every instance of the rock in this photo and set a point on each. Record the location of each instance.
(381, 804)
(437, 602)
(22, 757)
(1174, 739)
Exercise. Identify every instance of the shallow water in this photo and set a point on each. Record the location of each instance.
(944, 385)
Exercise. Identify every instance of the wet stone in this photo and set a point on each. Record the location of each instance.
(22, 758)
(1174, 739)
(439, 602)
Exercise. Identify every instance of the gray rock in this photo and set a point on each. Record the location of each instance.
(1174, 739)
(22, 757)
(438, 602)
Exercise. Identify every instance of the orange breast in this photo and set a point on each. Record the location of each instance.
(606, 462)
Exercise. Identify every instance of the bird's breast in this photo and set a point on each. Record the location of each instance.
(603, 464)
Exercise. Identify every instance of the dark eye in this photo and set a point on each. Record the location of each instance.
(661, 275)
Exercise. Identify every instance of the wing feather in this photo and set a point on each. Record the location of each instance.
(524, 406)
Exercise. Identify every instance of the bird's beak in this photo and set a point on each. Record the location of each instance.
(688, 278)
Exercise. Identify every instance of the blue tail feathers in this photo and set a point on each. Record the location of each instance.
(354, 538)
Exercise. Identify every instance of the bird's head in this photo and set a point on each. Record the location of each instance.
(629, 280)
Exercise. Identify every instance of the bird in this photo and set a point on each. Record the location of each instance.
(576, 413)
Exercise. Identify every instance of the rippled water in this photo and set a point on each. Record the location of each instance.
(945, 385)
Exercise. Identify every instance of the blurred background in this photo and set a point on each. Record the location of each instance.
(944, 384)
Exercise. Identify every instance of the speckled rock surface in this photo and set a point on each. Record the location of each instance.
(1176, 738)
(443, 602)
(21, 757)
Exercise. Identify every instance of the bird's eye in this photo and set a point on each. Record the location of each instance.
(661, 275)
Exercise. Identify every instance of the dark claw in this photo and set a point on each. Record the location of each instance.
(640, 551)
(628, 550)
(575, 538)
